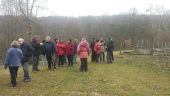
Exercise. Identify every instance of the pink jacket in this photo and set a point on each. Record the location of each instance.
(83, 49)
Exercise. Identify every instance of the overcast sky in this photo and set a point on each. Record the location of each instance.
(98, 7)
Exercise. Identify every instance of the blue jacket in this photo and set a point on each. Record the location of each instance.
(48, 48)
(13, 57)
(27, 51)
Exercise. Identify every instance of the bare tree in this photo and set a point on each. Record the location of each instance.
(29, 9)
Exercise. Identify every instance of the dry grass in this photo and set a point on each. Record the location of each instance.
(127, 76)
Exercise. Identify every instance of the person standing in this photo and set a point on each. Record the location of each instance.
(93, 55)
(97, 49)
(48, 51)
(69, 52)
(13, 60)
(75, 51)
(37, 47)
(83, 51)
(109, 49)
(43, 58)
(27, 51)
(102, 56)
(112, 44)
(60, 52)
(56, 56)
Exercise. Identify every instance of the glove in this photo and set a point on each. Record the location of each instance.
(5, 67)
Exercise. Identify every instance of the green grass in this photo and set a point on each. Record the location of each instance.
(127, 76)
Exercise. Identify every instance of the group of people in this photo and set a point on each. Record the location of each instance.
(99, 48)
(57, 52)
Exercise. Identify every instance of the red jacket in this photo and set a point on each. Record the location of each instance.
(60, 48)
(97, 48)
(69, 48)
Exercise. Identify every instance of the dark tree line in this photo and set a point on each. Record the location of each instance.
(118, 27)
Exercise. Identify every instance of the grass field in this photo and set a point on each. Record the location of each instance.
(127, 76)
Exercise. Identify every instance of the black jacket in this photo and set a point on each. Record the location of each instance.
(48, 48)
(37, 48)
(92, 45)
(110, 46)
(27, 51)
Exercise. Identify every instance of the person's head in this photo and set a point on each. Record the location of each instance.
(97, 40)
(56, 40)
(36, 39)
(69, 40)
(76, 40)
(60, 41)
(15, 44)
(21, 41)
(48, 38)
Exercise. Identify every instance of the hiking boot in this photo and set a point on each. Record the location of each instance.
(27, 80)
(33, 71)
(13, 85)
